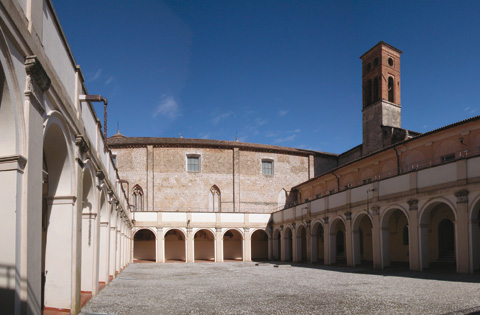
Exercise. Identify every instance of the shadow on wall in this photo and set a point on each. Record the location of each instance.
(7, 292)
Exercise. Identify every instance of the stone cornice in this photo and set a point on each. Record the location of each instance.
(35, 70)
(13, 163)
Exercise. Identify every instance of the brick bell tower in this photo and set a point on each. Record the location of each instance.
(381, 94)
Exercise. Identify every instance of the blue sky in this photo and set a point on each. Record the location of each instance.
(285, 73)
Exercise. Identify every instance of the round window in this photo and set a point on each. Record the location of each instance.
(390, 61)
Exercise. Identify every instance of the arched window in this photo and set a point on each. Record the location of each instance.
(390, 90)
(214, 199)
(375, 89)
(137, 198)
(368, 93)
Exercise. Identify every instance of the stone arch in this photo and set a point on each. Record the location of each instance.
(288, 244)
(362, 229)
(277, 244)
(144, 245)
(137, 198)
(395, 247)
(214, 199)
(204, 245)
(104, 237)
(301, 245)
(233, 245)
(337, 244)
(259, 245)
(474, 217)
(175, 245)
(89, 227)
(282, 199)
(447, 147)
(318, 242)
(12, 123)
(430, 217)
(57, 209)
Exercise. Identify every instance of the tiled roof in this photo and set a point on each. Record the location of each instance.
(119, 141)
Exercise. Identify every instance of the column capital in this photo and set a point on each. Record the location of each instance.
(218, 229)
(375, 210)
(413, 204)
(35, 70)
(462, 196)
(325, 220)
(294, 225)
(348, 215)
(246, 230)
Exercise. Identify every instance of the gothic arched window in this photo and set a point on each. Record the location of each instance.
(390, 90)
(137, 198)
(214, 199)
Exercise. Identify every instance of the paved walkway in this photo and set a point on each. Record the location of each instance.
(236, 287)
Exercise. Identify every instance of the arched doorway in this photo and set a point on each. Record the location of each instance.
(318, 247)
(437, 237)
(175, 246)
(337, 242)
(301, 244)
(89, 219)
(288, 244)
(475, 228)
(362, 240)
(204, 246)
(395, 239)
(144, 249)
(259, 245)
(57, 209)
(232, 246)
(277, 245)
(446, 237)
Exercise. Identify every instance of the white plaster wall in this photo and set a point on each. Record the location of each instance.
(258, 218)
(289, 214)
(232, 217)
(204, 217)
(394, 185)
(360, 193)
(277, 216)
(174, 217)
(337, 200)
(317, 205)
(437, 175)
(23, 4)
(473, 167)
(90, 124)
(58, 54)
(146, 216)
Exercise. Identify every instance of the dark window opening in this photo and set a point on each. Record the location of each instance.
(448, 158)
(375, 89)
(390, 90)
(375, 62)
(368, 92)
(390, 62)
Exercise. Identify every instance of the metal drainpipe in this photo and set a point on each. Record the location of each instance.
(338, 181)
(99, 98)
(398, 160)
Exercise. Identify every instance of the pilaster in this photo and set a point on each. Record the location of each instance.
(414, 235)
(462, 240)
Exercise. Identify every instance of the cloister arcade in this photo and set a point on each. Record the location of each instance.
(417, 239)
(199, 245)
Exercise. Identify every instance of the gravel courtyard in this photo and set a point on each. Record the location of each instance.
(244, 288)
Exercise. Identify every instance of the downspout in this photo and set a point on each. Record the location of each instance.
(338, 181)
(398, 160)
(99, 98)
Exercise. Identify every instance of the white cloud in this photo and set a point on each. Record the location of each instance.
(204, 136)
(168, 107)
(286, 139)
(109, 80)
(219, 118)
(297, 130)
(467, 108)
(282, 112)
(261, 122)
(96, 75)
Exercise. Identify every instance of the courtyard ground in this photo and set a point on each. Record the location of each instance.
(247, 288)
